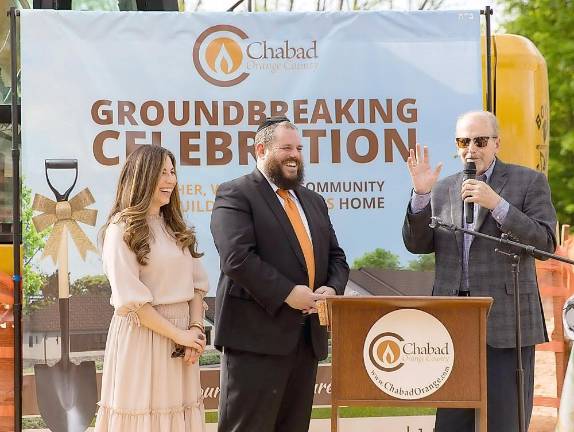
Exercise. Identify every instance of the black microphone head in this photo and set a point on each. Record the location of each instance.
(469, 167)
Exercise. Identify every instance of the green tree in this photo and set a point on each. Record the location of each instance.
(32, 278)
(422, 263)
(550, 25)
(380, 258)
(95, 285)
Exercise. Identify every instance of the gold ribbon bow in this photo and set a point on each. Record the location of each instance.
(65, 214)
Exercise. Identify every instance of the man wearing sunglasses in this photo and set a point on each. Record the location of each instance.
(279, 255)
(507, 199)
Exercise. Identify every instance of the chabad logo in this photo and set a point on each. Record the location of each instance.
(408, 354)
(219, 57)
(385, 352)
(225, 56)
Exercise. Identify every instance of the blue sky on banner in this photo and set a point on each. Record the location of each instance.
(360, 87)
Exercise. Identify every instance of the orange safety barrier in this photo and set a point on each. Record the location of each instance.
(6, 289)
(6, 340)
(556, 282)
(6, 354)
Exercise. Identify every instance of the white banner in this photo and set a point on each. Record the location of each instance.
(361, 87)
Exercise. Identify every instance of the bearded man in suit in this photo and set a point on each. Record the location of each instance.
(278, 256)
(507, 199)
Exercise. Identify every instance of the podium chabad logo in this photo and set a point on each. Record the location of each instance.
(408, 354)
(218, 55)
(385, 352)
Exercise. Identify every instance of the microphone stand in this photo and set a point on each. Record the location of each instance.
(515, 257)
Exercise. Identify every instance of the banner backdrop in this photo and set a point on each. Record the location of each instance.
(362, 88)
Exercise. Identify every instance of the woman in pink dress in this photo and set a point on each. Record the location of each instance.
(158, 282)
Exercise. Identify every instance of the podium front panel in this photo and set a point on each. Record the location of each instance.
(463, 318)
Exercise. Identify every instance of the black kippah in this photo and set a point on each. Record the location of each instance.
(272, 120)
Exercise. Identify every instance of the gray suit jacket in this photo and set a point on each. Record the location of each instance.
(531, 219)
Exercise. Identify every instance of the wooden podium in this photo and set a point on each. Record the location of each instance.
(351, 319)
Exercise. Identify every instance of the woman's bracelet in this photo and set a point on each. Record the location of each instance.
(198, 325)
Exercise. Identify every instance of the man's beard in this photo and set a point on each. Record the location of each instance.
(275, 174)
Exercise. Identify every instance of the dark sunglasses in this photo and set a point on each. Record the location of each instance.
(481, 141)
(272, 120)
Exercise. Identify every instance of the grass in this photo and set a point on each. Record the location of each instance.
(354, 412)
(351, 412)
(36, 422)
(33, 423)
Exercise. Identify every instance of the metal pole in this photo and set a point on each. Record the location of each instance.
(519, 367)
(16, 224)
(487, 12)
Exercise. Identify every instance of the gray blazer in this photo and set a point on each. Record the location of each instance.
(531, 219)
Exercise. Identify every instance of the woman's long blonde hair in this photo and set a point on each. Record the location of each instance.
(136, 186)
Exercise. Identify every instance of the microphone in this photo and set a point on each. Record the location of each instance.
(469, 172)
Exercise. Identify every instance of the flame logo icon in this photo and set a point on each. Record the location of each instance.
(388, 352)
(385, 351)
(223, 56)
(218, 55)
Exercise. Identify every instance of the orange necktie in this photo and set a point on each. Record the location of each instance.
(301, 233)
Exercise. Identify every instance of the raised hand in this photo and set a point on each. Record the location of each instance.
(423, 176)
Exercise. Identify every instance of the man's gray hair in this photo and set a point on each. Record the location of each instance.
(486, 115)
(265, 135)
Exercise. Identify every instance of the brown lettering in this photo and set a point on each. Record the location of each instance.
(279, 108)
(126, 110)
(343, 111)
(186, 147)
(352, 145)
(171, 112)
(228, 119)
(392, 136)
(144, 113)
(202, 110)
(361, 111)
(314, 136)
(218, 143)
(321, 112)
(376, 107)
(246, 146)
(411, 116)
(105, 116)
(299, 110)
(255, 112)
(335, 146)
(98, 147)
